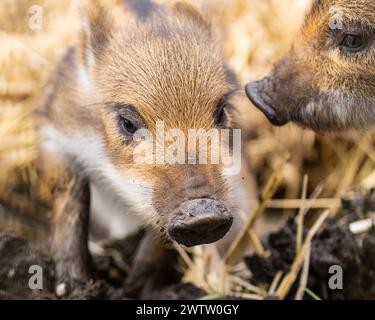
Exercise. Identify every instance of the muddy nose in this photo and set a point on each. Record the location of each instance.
(199, 221)
(253, 91)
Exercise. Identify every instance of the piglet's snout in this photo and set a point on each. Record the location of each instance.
(199, 221)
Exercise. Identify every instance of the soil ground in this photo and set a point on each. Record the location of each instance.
(334, 245)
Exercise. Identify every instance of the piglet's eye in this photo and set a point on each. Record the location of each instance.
(352, 42)
(127, 126)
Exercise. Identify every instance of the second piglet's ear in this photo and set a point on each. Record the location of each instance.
(96, 30)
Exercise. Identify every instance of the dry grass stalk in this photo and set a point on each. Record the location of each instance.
(349, 171)
(323, 203)
(368, 182)
(257, 244)
(304, 275)
(364, 143)
(184, 256)
(249, 287)
(301, 214)
(275, 282)
(248, 296)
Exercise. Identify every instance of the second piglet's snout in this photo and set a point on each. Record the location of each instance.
(199, 221)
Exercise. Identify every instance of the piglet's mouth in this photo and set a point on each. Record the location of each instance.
(253, 91)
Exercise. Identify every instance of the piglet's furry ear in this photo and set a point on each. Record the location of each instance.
(97, 25)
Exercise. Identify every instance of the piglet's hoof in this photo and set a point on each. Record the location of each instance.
(61, 290)
(78, 290)
(70, 289)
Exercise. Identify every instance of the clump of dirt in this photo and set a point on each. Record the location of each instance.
(16, 258)
(17, 255)
(334, 245)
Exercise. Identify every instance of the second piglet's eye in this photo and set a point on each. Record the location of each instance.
(352, 42)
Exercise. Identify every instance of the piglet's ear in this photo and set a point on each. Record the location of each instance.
(96, 30)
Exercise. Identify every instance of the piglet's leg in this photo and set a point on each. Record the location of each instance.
(152, 269)
(70, 234)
